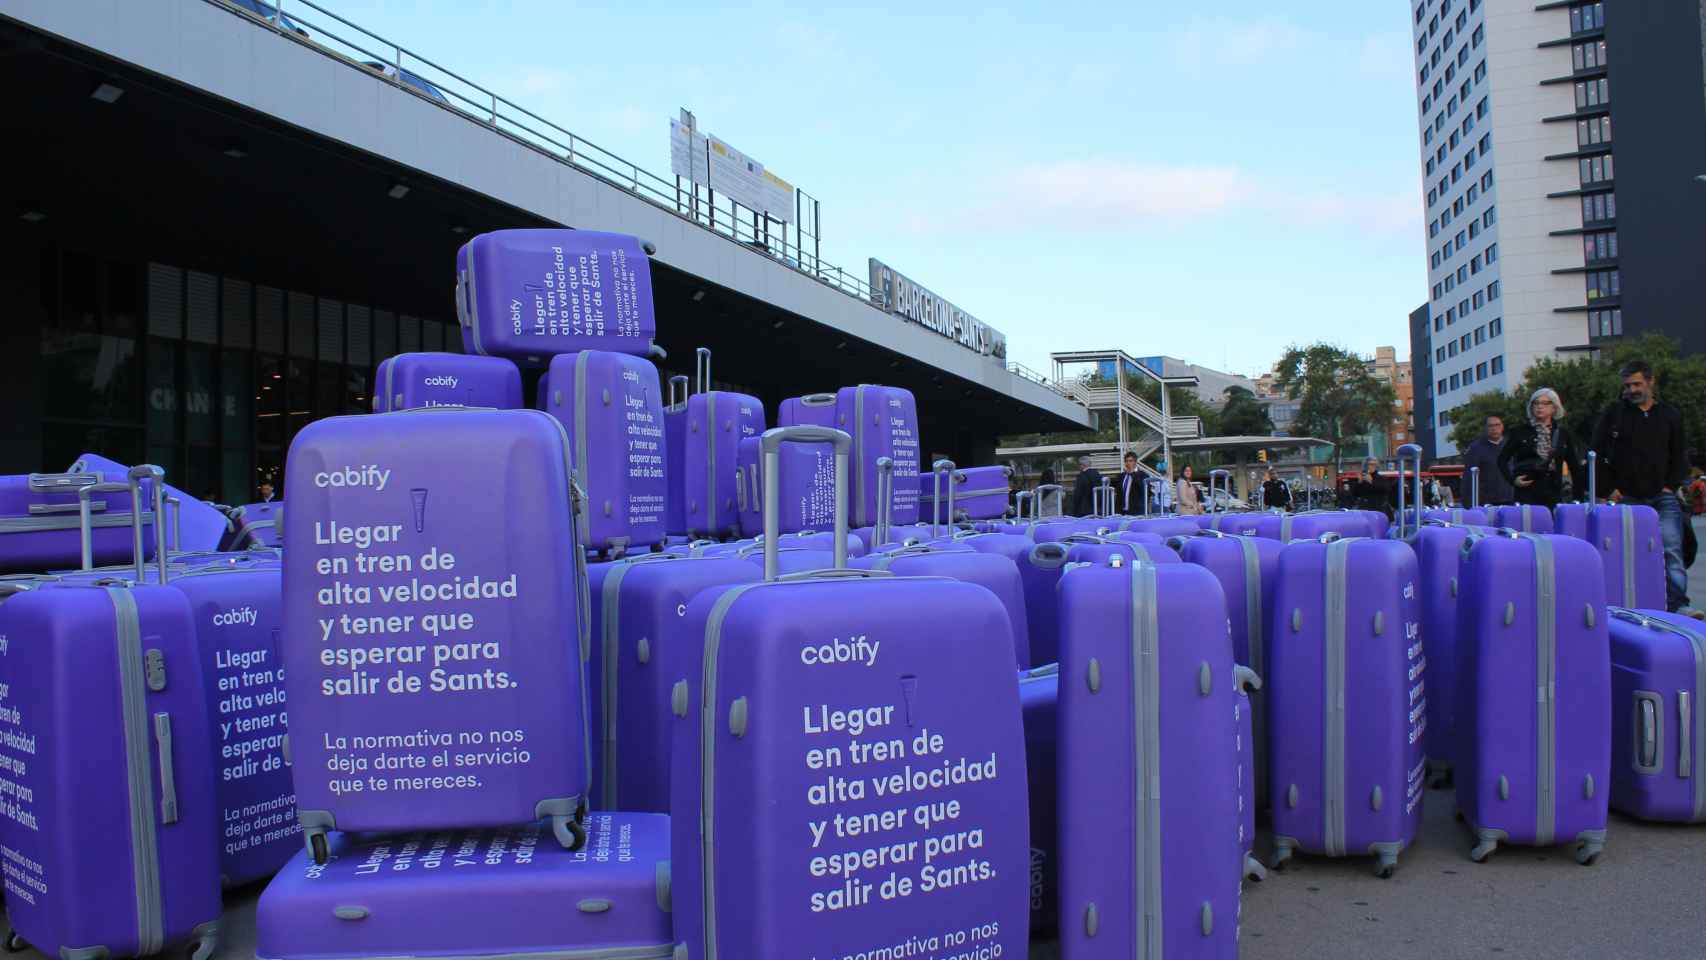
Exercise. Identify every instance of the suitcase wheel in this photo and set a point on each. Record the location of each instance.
(14, 943)
(570, 832)
(1588, 853)
(317, 846)
(1483, 850)
(1386, 866)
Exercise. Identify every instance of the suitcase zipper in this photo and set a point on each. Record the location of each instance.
(145, 857)
(707, 761)
(1333, 694)
(1546, 621)
(1146, 765)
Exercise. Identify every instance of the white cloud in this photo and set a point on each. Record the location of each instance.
(1081, 194)
(1395, 213)
(1228, 43)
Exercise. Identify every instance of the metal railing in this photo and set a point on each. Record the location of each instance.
(1099, 394)
(792, 246)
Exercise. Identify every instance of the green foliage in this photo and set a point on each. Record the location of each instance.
(1243, 416)
(1341, 400)
(1469, 421)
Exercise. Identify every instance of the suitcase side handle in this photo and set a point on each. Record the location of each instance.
(770, 442)
(1225, 478)
(885, 499)
(818, 400)
(61, 482)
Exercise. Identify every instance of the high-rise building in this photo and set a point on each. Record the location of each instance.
(1386, 368)
(1421, 363)
(1536, 246)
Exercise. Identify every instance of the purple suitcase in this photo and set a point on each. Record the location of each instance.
(410, 380)
(609, 404)
(896, 814)
(806, 486)
(811, 410)
(1244, 711)
(1162, 527)
(1658, 731)
(435, 623)
(675, 458)
(1317, 524)
(979, 493)
(883, 422)
(1150, 856)
(1345, 717)
(717, 421)
(1571, 520)
(1379, 524)
(255, 525)
(1236, 524)
(237, 613)
(477, 893)
(1039, 698)
(191, 524)
(531, 294)
(1040, 575)
(1462, 516)
(1094, 550)
(1439, 549)
(1524, 517)
(40, 527)
(106, 736)
(1632, 554)
(992, 571)
(1533, 770)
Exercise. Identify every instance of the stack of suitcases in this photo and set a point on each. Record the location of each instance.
(535, 628)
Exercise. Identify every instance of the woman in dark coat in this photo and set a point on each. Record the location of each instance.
(1536, 454)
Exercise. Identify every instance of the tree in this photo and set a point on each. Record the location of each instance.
(1469, 421)
(1340, 398)
(1243, 416)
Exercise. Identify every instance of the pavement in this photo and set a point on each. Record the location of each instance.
(1645, 897)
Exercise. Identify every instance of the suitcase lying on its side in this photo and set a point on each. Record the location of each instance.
(191, 524)
(450, 660)
(1039, 698)
(609, 404)
(1471, 516)
(255, 525)
(910, 702)
(477, 893)
(1236, 524)
(811, 410)
(40, 527)
(1345, 717)
(410, 380)
(106, 737)
(1632, 554)
(980, 493)
(1316, 524)
(1161, 526)
(531, 294)
(1658, 729)
(1533, 769)
(1150, 855)
(1524, 517)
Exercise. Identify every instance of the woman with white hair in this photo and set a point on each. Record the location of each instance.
(1536, 453)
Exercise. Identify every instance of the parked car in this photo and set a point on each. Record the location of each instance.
(269, 13)
(392, 73)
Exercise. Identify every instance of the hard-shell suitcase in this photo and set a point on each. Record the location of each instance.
(717, 421)
(435, 623)
(993, 572)
(1237, 524)
(806, 486)
(1163, 526)
(1632, 554)
(979, 493)
(191, 524)
(636, 606)
(410, 380)
(39, 521)
(255, 525)
(1527, 518)
(1571, 520)
(1379, 524)
(1248, 778)
(811, 410)
(609, 404)
(883, 422)
(1534, 656)
(1317, 524)
(1039, 698)
(237, 613)
(1439, 549)
(530, 294)
(1040, 575)
(1082, 548)
(675, 458)
(1345, 712)
(110, 817)
(1470, 516)
(508, 892)
(1150, 856)
(1658, 730)
(894, 812)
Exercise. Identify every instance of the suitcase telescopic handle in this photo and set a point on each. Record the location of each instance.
(1593, 477)
(678, 389)
(885, 499)
(1048, 488)
(1474, 487)
(1409, 451)
(939, 469)
(702, 368)
(656, 353)
(1225, 477)
(770, 442)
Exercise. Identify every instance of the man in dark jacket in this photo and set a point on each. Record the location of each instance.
(1276, 494)
(1128, 489)
(1084, 489)
(1641, 461)
(1484, 453)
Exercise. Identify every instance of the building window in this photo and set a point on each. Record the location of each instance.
(1463, 314)
(1604, 283)
(1455, 380)
(1474, 268)
(1481, 371)
(1474, 192)
(1421, 11)
(1451, 351)
(1492, 291)
(1430, 166)
(1463, 274)
(1436, 259)
(1474, 229)
(1593, 131)
(1593, 93)
(1469, 159)
(1481, 71)
(1498, 365)
(1599, 246)
(1598, 207)
(1605, 323)
(1597, 169)
(1445, 218)
(1457, 207)
(1451, 107)
(1478, 300)
(1457, 247)
(1442, 390)
(1588, 56)
(1490, 217)
(1480, 335)
(1463, 56)
(1494, 328)
(1450, 72)
(1487, 181)
(1481, 108)
(1451, 316)
(1450, 282)
(1463, 343)
(1433, 229)
(1439, 355)
(1439, 322)
(1492, 252)
(1587, 17)
(1487, 143)
(1479, 35)
(1436, 293)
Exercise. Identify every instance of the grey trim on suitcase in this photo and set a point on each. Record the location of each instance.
(1258, 660)
(708, 759)
(392, 401)
(610, 637)
(50, 523)
(1628, 518)
(858, 435)
(1285, 528)
(467, 305)
(145, 853)
(577, 468)
(1333, 702)
(657, 951)
(1648, 733)
(665, 886)
(1546, 688)
(1146, 760)
(168, 782)
(84, 953)
(711, 463)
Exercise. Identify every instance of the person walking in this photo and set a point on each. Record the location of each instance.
(1370, 490)
(1084, 489)
(1537, 453)
(1496, 491)
(1190, 501)
(1641, 461)
(1128, 497)
(1276, 495)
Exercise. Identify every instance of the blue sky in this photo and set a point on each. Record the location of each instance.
(1210, 185)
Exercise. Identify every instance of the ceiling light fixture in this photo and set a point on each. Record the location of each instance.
(698, 295)
(107, 93)
(459, 228)
(32, 216)
(776, 326)
(398, 191)
(235, 149)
